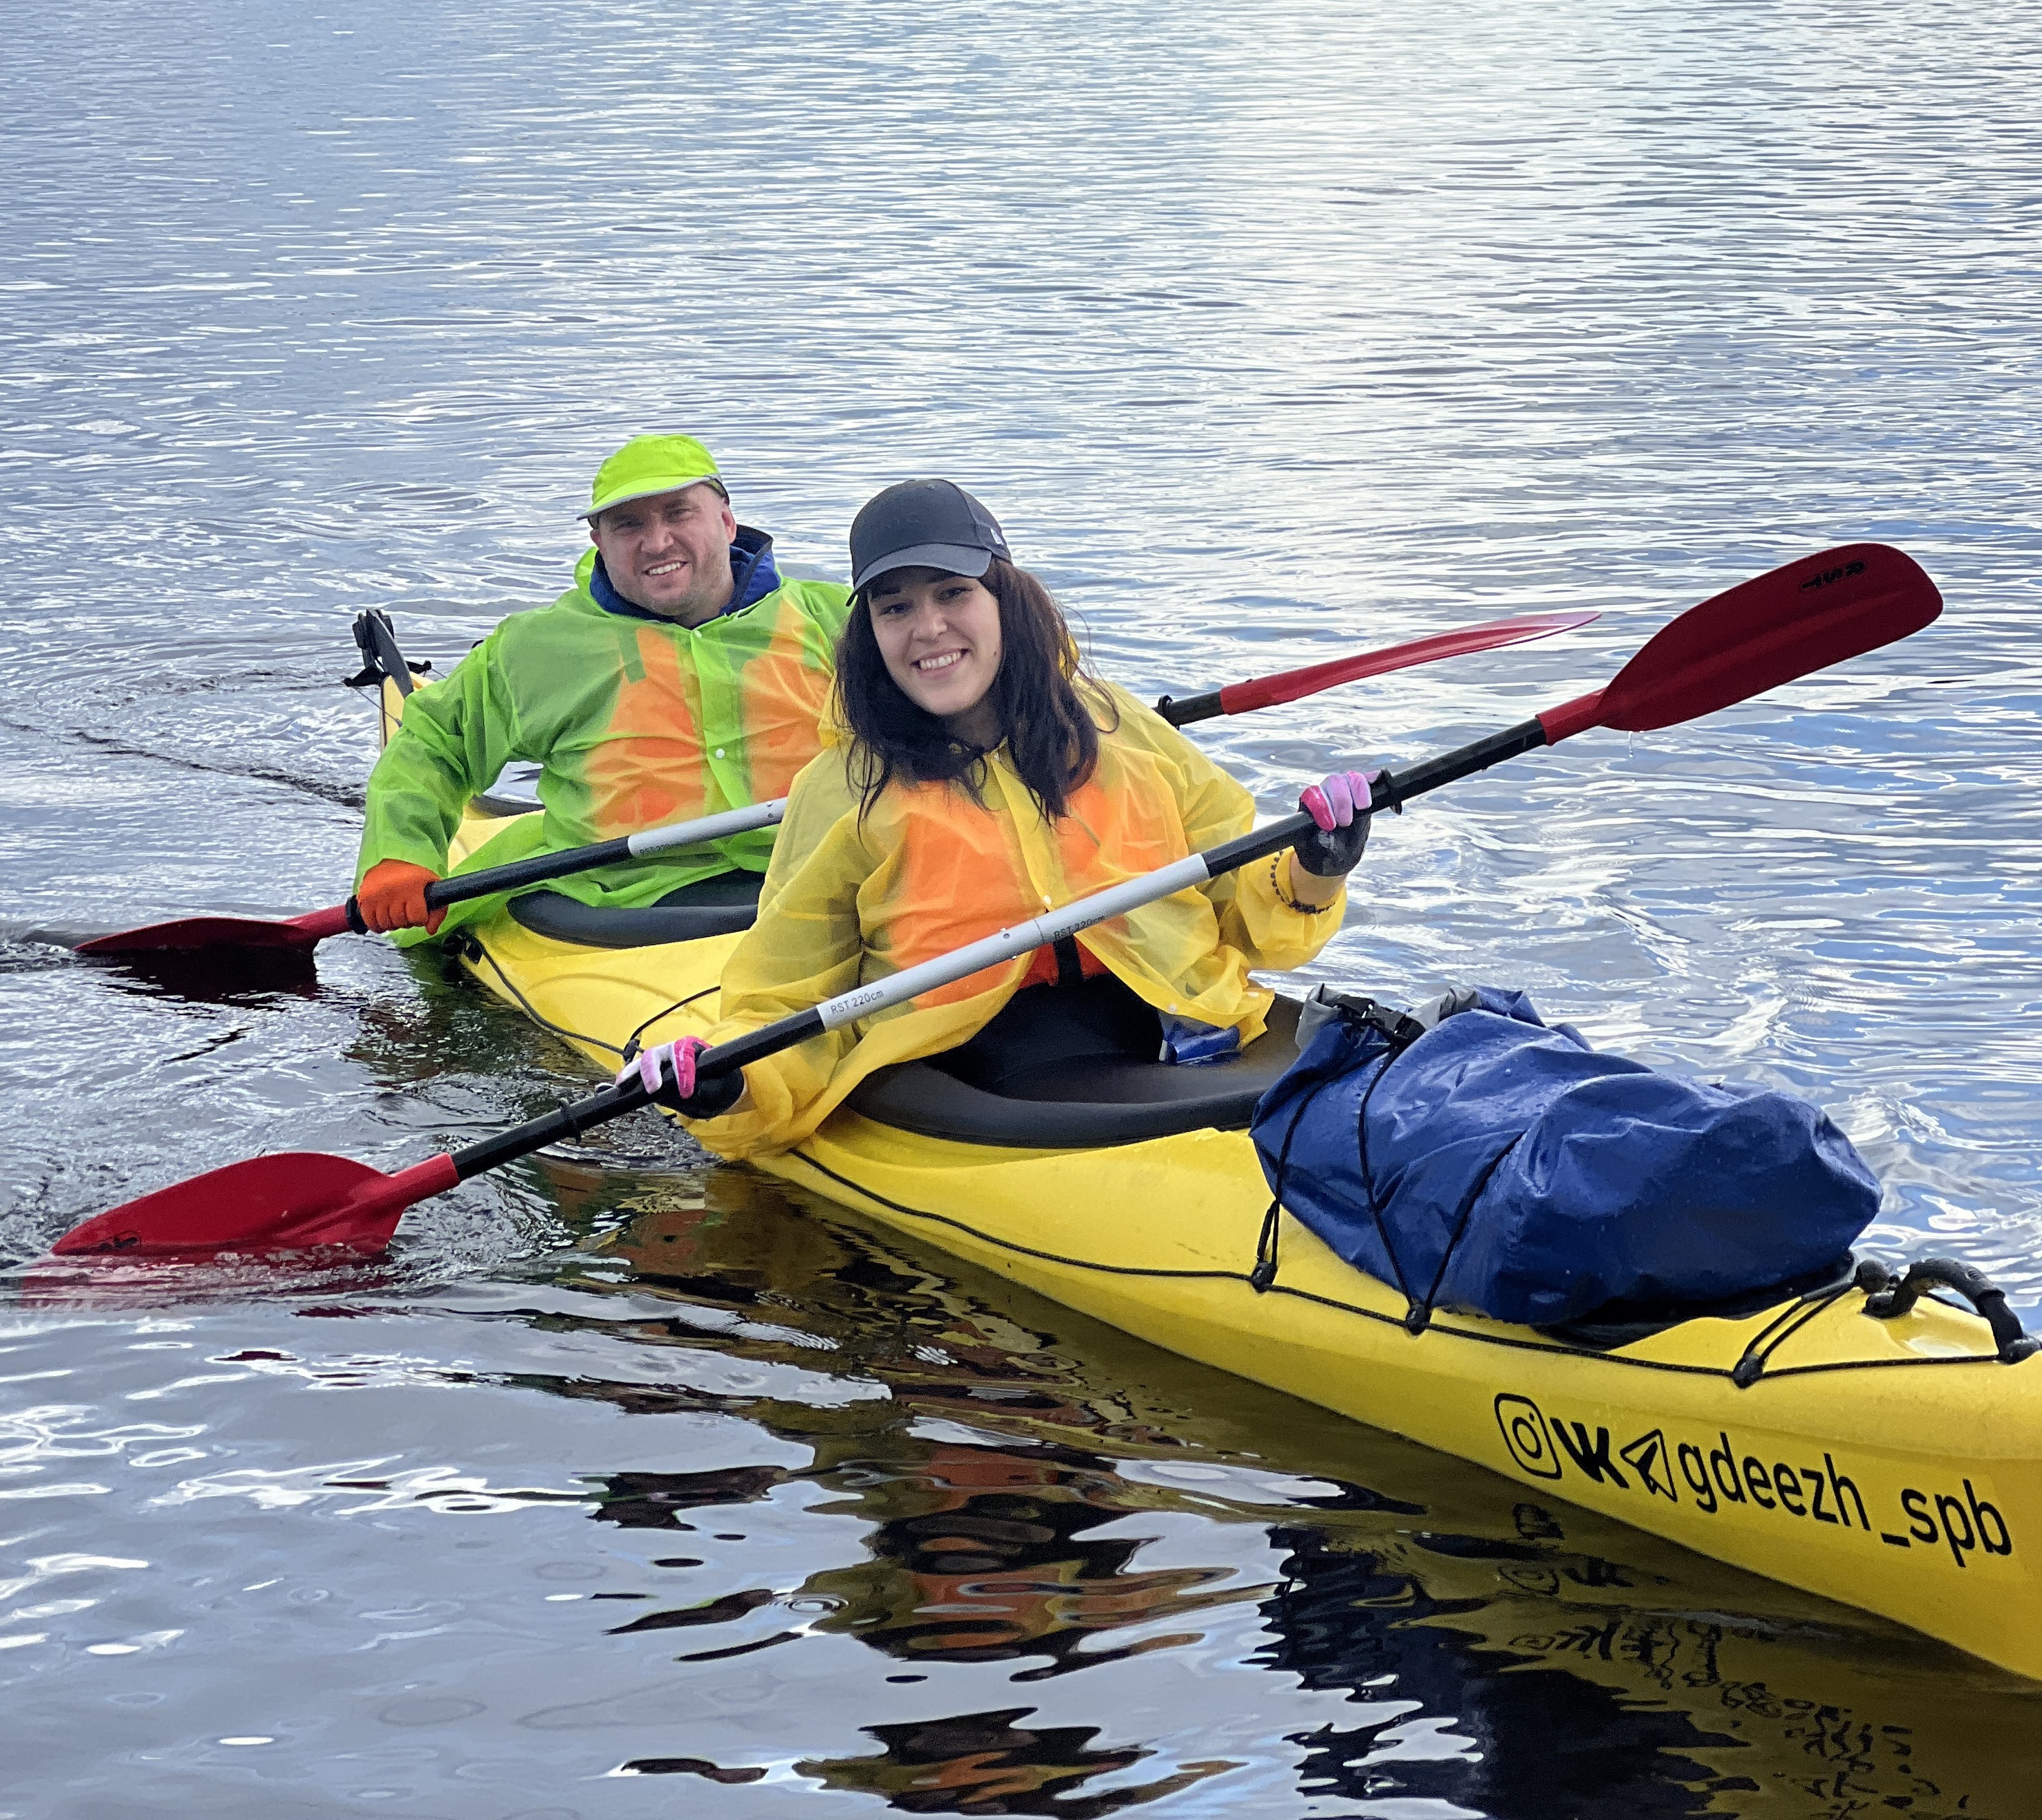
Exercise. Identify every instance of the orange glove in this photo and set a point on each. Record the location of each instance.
(393, 895)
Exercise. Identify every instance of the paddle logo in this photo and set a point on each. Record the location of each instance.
(1648, 1457)
(1842, 573)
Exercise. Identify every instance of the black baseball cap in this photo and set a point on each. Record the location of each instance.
(924, 524)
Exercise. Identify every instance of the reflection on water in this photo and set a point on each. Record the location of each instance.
(1459, 1656)
(984, 1556)
(767, 1501)
(1271, 333)
(989, 1763)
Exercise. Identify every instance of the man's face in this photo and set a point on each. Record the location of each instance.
(670, 554)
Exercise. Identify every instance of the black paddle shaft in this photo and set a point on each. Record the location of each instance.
(1181, 710)
(613, 1102)
(518, 874)
(1392, 789)
(555, 1127)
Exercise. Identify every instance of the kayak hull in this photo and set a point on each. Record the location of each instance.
(1892, 1465)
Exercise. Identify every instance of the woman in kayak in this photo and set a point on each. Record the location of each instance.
(979, 777)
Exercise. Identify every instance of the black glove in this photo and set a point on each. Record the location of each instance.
(1340, 805)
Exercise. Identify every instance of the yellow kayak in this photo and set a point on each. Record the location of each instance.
(1891, 1464)
(1759, 1683)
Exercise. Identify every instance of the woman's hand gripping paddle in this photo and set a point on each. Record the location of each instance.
(303, 933)
(1800, 618)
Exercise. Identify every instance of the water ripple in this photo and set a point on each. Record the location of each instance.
(1270, 335)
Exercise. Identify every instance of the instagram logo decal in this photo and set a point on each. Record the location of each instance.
(1525, 1434)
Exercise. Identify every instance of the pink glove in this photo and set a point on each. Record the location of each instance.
(666, 1071)
(1339, 806)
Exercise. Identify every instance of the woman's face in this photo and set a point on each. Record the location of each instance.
(939, 636)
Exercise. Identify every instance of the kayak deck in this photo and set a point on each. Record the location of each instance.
(1894, 1464)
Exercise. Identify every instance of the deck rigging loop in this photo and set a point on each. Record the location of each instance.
(1757, 1354)
(1398, 1030)
(1887, 1297)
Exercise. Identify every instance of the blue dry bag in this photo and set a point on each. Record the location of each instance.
(1492, 1164)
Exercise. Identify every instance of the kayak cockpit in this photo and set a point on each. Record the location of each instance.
(1076, 1068)
(726, 904)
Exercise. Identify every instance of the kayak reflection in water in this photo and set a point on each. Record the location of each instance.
(995, 1763)
(982, 1555)
(978, 776)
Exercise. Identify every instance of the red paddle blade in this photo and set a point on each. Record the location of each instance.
(1769, 630)
(1268, 691)
(298, 1201)
(190, 933)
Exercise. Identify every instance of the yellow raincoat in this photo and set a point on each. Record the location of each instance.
(847, 901)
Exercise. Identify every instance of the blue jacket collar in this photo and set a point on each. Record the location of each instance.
(751, 568)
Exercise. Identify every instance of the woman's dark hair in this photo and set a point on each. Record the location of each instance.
(1042, 697)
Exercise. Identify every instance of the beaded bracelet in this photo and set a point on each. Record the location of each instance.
(1285, 898)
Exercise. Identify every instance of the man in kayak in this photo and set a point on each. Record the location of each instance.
(983, 778)
(681, 675)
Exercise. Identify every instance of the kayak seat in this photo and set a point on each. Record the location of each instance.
(1075, 1068)
(724, 905)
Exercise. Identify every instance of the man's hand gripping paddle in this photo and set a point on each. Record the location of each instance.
(1769, 631)
(303, 933)
(306, 932)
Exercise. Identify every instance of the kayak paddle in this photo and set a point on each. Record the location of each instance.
(1766, 631)
(1793, 620)
(1292, 685)
(298, 1200)
(304, 932)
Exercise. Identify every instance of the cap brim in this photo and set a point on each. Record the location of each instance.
(952, 559)
(715, 480)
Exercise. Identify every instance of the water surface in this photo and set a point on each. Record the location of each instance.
(1269, 333)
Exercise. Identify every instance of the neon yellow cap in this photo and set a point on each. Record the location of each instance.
(649, 465)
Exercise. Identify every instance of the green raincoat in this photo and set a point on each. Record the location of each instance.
(635, 722)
